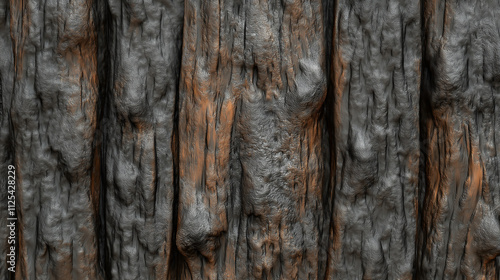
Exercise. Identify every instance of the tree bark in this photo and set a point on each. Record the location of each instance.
(460, 230)
(251, 160)
(53, 110)
(250, 139)
(144, 50)
(6, 86)
(376, 78)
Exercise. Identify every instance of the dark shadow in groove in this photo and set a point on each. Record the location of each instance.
(102, 18)
(178, 265)
(424, 109)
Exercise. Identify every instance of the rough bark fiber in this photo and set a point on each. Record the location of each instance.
(145, 42)
(251, 170)
(460, 231)
(251, 139)
(53, 110)
(376, 76)
(6, 86)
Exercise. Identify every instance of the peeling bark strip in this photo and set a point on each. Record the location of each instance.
(376, 59)
(460, 229)
(145, 45)
(6, 85)
(54, 118)
(251, 166)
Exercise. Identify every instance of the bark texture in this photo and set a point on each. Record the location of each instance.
(53, 117)
(376, 77)
(251, 139)
(460, 228)
(144, 50)
(6, 86)
(251, 168)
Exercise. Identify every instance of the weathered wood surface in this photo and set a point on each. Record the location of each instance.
(251, 163)
(144, 43)
(6, 86)
(250, 139)
(460, 207)
(53, 117)
(375, 111)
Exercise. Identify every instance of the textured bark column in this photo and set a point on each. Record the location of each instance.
(461, 232)
(376, 72)
(54, 118)
(251, 164)
(6, 85)
(145, 42)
